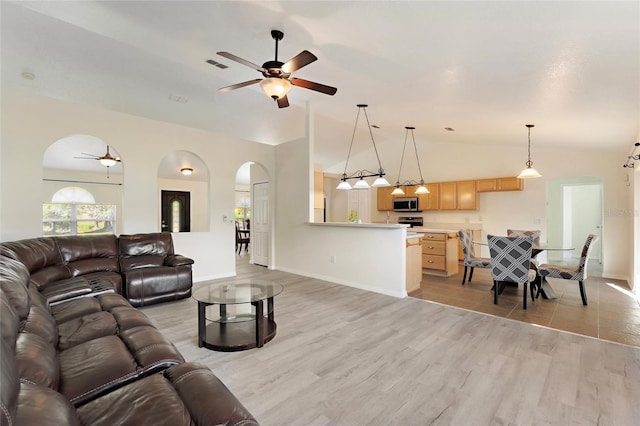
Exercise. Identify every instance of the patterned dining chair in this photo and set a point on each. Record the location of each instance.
(470, 258)
(510, 261)
(578, 273)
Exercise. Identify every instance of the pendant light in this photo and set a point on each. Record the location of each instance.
(422, 189)
(360, 175)
(529, 172)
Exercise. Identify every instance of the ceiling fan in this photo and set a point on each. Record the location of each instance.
(106, 160)
(277, 79)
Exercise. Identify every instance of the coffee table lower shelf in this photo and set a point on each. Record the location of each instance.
(236, 336)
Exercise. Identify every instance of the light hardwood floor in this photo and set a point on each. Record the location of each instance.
(344, 356)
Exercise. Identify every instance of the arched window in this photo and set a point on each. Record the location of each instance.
(73, 211)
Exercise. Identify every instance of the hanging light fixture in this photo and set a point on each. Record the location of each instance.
(360, 175)
(529, 172)
(186, 171)
(275, 87)
(422, 189)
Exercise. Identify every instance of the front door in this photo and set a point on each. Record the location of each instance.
(176, 214)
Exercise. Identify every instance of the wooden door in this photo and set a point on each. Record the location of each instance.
(176, 211)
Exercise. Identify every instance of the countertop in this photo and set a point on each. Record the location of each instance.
(434, 231)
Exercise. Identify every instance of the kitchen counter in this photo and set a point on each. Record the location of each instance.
(434, 231)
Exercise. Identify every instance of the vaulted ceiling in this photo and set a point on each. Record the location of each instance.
(483, 68)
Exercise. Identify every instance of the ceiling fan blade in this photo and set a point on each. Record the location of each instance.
(241, 61)
(303, 58)
(313, 86)
(86, 158)
(283, 102)
(90, 155)
(239, 85)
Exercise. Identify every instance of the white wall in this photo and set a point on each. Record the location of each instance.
(31, 123)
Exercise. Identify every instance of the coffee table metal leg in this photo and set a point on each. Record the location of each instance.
(202, 328)
(259, 323)
(270, 308)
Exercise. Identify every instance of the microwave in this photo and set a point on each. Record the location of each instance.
(409, 204)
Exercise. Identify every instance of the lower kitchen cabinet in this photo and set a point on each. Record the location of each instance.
(440, 253)
(414, 264)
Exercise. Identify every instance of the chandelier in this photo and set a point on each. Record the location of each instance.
(422, 189)
(360, 175)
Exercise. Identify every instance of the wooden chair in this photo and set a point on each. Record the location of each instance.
(468, 251)
(510, 262)
(578, 273)
(240, 240)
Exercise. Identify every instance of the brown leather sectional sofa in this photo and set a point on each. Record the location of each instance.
(91, 358)
(141, 267)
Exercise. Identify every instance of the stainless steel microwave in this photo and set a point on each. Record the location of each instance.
(409, 204)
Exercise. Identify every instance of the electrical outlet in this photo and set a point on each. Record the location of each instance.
(333, 259)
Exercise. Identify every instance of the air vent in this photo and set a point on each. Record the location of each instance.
(179, 99)
(217, 64)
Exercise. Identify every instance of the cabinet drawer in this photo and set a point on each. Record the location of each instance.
(431, 261)
(433, 237)
(433, 247)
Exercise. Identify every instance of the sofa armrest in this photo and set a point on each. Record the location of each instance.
(177, 260)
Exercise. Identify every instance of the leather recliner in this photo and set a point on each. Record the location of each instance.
(152, 272)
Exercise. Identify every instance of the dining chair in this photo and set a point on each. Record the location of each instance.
(578, 273)
(510, 262)
(535, 234)
(240, 240)
(470, 258)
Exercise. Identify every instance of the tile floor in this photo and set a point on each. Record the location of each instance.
(613, 312)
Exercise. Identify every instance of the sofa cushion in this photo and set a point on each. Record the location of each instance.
(14, 281)
(145, 261)
(85, 328)
(42, 406)
(41, 322)
(156, 244)
(37, 360)
(35, 253)
(74, 248)
(50, 274)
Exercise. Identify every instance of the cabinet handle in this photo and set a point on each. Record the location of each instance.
(431, 247)
(429, 261)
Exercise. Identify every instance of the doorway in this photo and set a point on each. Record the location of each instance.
(574, 210)
(176, 214)
(260, 224)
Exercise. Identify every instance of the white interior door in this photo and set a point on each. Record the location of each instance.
(583, 216)
(260, 224)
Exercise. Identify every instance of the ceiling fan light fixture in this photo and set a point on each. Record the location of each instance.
(107, 161)
(275, 87)
(186, 171)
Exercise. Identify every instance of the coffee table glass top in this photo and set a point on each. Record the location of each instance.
(234, 291)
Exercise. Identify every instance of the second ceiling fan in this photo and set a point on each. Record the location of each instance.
(277, 79)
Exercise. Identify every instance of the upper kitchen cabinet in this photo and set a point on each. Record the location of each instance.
(458, 195)
(447, 196)
(500, 184)
(431, 200)
(466, 197)
(385, 199)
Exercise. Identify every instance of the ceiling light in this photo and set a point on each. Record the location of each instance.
(186, 171)
(529, 172)
(275, 87)
(422, 189)
(362, 174)
(450, 129)
(107, 161)
(28, 75)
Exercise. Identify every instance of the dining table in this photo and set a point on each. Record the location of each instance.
(544, 288)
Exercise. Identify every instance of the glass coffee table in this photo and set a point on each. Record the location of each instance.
(240, 321)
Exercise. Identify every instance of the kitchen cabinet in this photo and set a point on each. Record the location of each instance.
(414, 264)
(440, 253)
(500, 184)
(431, 200)
(466, 197)
(447, 196)
(385, 199)
(510, 184)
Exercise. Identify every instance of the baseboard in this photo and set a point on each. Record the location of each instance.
(360, 286)
(624, 278)
(213, 277)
